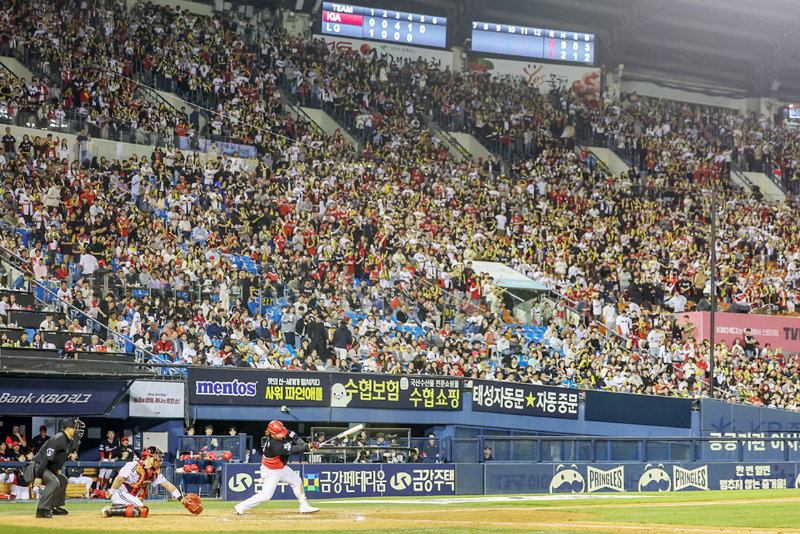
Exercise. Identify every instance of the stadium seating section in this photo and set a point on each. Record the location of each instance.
(300, 252)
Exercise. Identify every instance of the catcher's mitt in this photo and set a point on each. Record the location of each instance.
(192, 503)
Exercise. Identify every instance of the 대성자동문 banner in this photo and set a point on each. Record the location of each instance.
(524, 399)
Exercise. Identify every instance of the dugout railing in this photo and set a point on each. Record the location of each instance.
(754, 447)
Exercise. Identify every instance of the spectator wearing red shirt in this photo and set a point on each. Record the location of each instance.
(164, 346)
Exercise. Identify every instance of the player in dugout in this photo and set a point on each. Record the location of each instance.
(277, 446)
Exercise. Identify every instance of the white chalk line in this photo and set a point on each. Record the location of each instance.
(514, 498)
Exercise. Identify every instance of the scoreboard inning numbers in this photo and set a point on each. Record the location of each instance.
(384, 25)
(534, 43)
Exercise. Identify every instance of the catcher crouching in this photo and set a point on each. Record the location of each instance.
(133, 481)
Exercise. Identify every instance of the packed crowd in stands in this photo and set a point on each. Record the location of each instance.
(363, 261)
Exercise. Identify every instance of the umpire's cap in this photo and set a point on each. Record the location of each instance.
(74, 422)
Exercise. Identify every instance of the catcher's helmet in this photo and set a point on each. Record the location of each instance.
(155, 453)
(277, 429)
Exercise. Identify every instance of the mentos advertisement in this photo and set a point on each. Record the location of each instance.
(328, 481)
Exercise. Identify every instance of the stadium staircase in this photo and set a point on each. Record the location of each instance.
(771, 189)
(612, 161)
(17, 69)
(454, 146)
(319, 120)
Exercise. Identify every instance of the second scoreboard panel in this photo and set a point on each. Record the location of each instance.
(534, 43)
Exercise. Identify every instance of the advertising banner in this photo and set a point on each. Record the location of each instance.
(583, 79)
(154, 398)
(328, 481)
(256, 387)
(635, 477)
(223, 147)
(250, 387)
(393, 391)
(391, 52)
(779, 332)
(22, 396)
(632, 409)
(524, 399)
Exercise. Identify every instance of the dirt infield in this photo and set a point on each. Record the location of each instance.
(523, 518)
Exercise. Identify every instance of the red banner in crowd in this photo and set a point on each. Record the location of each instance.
(783, 332)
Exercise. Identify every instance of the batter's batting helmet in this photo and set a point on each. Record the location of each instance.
(277, 429)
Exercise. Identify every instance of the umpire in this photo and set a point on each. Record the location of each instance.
(45, 469)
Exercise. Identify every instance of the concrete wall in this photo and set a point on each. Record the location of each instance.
(104, 147)
(472, 145)
(19, 70)
(326, 122)
(658, 91)
(612, 161)
(771, 191)
(100, 147)
(192, 7)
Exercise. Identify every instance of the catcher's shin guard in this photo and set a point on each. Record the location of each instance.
(121, 510)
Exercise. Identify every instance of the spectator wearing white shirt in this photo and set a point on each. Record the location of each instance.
(88, 263)
(677, 302)
(189, 353)
(624, 324)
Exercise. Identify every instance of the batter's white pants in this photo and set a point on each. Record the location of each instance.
(121, 496)
(270, 478)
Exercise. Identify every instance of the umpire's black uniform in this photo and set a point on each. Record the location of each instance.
(48, 461)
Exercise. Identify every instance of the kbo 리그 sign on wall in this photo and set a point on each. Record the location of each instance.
(22, 396)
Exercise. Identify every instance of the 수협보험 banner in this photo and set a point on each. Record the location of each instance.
(407, 392)
(327, 481)
(524, 399)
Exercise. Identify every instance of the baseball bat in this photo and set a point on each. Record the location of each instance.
(351, 430)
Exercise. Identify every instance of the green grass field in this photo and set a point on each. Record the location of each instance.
(767, 511)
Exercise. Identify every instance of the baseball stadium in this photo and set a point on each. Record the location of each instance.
(400, 267)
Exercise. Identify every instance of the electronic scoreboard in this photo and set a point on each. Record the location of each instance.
(533, 43)
(384, 25)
